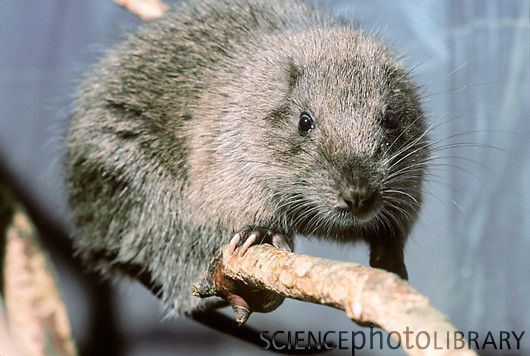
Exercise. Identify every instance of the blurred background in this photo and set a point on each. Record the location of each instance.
(469, 252)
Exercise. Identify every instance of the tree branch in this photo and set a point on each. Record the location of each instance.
(368, 295)
(37, 317)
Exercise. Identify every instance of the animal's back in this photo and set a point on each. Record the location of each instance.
(126, 161)
(181, 49)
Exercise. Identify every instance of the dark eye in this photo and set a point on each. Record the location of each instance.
(306, 124)
(390, 120)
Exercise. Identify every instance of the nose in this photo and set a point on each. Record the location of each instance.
(358, 199)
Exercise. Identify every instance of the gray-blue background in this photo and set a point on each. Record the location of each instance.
(470, 250)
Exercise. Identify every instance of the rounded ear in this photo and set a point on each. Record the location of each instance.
(293, 73)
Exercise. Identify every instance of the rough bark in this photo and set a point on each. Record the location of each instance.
(368, 295)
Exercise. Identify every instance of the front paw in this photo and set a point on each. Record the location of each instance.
(243, 298)
(256, 235)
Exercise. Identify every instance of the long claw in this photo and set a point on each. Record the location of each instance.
(249, 242)
(233, 243)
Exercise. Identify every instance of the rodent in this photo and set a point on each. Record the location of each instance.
(242, 116)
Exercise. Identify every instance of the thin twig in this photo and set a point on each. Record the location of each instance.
(145, 9)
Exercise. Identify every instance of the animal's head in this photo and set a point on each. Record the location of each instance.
(333, 129)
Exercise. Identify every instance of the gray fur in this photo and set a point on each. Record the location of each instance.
(187, 132)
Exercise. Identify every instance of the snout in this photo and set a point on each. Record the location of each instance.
(357, 196)
(357, 199)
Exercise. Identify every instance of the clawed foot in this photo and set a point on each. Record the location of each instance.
(243, 299)
(255, 235)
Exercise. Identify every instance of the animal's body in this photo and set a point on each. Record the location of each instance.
(230, 114)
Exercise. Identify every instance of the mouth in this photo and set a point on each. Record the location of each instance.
(345, 217)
